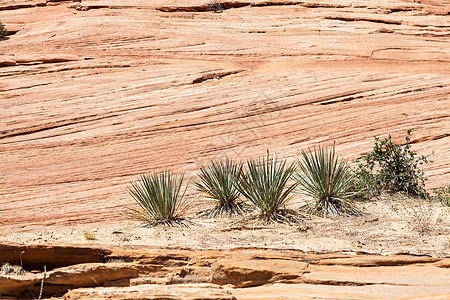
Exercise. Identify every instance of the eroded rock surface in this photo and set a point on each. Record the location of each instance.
(235, 274)
(94, 93)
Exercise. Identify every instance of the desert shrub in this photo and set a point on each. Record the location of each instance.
(393, 168)
(325, 177)
(265, 186)
(2, 30)
(423, 216)
(364, 185)
(219, 183)
(7, 269)
(215, 6)
(160, 199)
(443, 195)
(89, 235)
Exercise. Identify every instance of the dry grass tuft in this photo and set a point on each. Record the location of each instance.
(8, 269)
(423, 215)
(89, 235)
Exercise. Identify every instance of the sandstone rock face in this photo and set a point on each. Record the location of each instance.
(95, 92)
(148, 291)
(250, 273)
(244, 273)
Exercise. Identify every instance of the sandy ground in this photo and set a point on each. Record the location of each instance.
(391, 225)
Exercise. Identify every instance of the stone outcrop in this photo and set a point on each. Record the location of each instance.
(230, 274)
(146, 291)
(59, 256)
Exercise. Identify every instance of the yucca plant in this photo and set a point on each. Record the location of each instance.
(266, 186)
(218, 181)
(160, 199)
(328, 179)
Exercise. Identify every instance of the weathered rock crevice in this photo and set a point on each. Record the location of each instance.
(355, 19)
(238, 4)
(202, 8)
(216, 76)
(36, 256)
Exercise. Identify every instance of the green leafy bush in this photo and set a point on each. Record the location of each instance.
(328, 179)
(393, 168)
(160, 199)
(265, 186)
(443, 195)
(219, 183)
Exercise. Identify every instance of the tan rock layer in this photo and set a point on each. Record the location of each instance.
(214, 274)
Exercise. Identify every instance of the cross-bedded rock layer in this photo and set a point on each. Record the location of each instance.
(93, 93)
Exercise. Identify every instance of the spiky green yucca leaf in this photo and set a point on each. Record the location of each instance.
(265, 186)
(159, 197)
(328, 179)
(219, 184)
